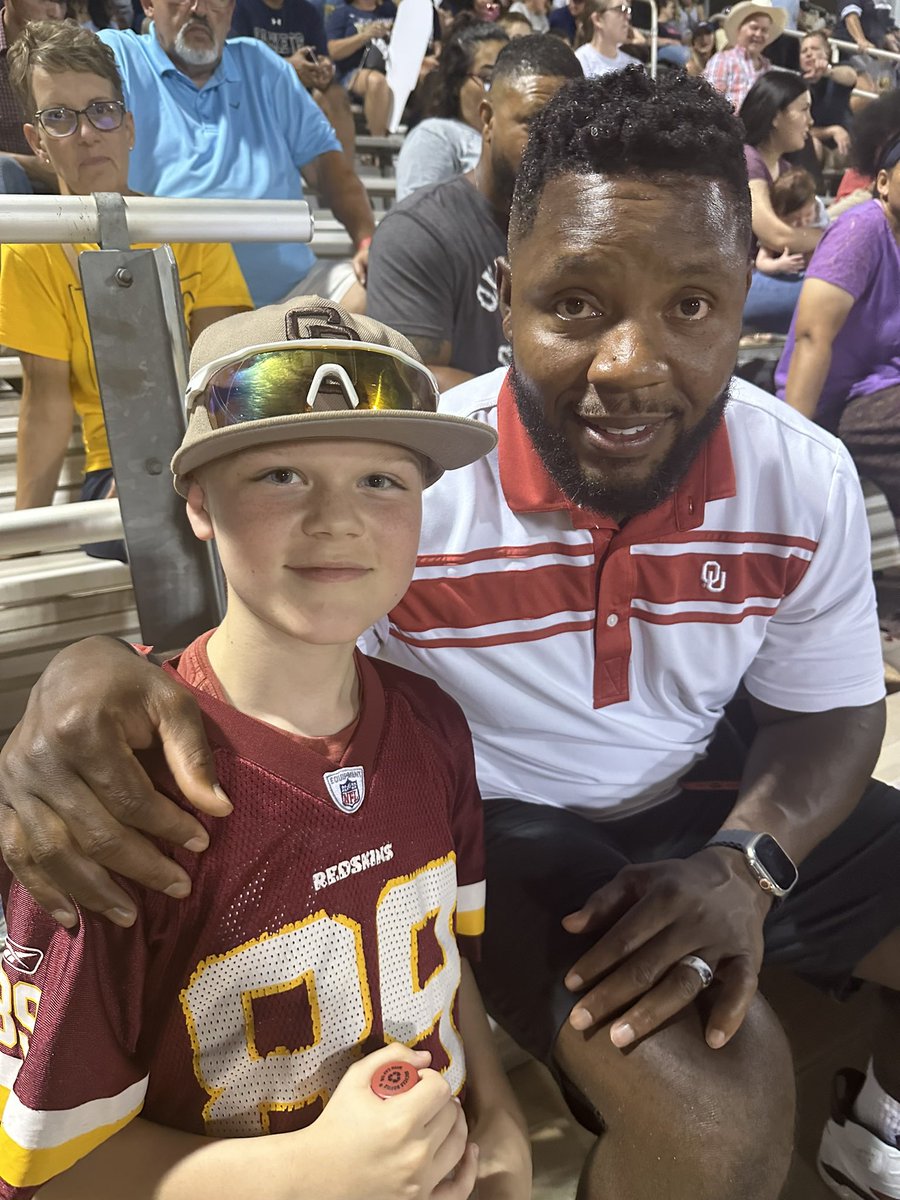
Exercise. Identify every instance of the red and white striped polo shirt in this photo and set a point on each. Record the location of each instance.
(593, 662)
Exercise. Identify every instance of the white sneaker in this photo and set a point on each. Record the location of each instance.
(852, 1161)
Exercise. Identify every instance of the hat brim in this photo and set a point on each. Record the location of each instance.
(446, 440)
(744, 11)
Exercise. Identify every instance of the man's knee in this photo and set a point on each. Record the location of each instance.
(720, 1122)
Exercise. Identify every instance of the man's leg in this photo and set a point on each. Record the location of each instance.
(684, 1121)
(679, 1120)
(335, 104)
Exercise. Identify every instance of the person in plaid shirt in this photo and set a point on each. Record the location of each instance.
(750, 27)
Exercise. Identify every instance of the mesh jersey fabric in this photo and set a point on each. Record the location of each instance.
(312, 934)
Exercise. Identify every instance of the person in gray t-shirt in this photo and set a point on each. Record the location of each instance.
(431, 264)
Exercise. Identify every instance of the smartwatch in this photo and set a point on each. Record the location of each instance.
(770, 866)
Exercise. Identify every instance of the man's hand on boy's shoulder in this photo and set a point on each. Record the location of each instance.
(75, 803)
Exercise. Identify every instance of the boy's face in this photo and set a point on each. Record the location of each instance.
(318, 539)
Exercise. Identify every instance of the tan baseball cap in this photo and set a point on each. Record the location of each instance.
(407, 393)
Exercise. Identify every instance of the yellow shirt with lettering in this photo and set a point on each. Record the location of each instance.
(42, 312)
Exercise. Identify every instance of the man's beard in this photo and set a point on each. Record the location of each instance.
(193, 56)
(619, 501)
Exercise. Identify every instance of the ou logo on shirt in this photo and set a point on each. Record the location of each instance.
(712, 576)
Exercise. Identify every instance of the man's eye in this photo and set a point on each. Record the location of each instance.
(574, 308)
(695, 308)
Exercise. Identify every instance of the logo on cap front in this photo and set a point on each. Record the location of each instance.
(346, 787)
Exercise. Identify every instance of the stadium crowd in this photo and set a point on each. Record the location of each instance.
(589, 216)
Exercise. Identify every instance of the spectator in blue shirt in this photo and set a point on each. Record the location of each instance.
(232, 120)
(354, 33)
(564, 22)
(295, 30)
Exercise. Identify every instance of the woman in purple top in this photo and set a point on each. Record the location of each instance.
(841, 363)
(777, 121)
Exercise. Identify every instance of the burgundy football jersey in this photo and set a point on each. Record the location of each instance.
(325, 920)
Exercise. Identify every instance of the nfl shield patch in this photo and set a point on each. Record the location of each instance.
(346, 787)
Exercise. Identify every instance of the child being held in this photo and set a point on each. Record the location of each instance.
(795, 202)
(321, 939)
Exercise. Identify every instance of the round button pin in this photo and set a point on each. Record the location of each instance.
(394, 1079)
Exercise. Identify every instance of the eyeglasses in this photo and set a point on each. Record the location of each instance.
(216, 6)
(625, 9)
(484, 80)
(312, 377)
(60, 122)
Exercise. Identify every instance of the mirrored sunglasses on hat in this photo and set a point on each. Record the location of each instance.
(312, 377)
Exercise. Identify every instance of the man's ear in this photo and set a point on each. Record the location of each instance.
(147, 6)
(504, 295)
(486, 113)
(198, 513)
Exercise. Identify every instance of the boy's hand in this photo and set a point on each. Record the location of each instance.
(73, 795)
(412, 1145)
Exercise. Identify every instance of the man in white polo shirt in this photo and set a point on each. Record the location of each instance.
(594, 594)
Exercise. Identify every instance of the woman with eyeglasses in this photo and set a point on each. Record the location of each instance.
(448, 142)
(67, 79)
(605, 26)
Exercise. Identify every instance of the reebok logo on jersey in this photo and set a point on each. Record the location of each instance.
(24, 958)
(346, 787)
(353, 866)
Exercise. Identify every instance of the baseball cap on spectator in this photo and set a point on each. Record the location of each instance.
(701, 28)
(309, 369)
(752, 8)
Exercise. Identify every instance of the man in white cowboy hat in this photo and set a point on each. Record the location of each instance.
(750, 27)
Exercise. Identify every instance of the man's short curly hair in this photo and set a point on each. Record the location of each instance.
(625, 123)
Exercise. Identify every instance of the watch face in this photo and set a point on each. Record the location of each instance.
(775, 862)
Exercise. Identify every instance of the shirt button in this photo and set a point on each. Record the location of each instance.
(612, 620)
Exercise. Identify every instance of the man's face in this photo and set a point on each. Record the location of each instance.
(192, 32)
(753, 35)
(813, 59)
(507, 113)
(623, 341)
(613, 21)
(576, 8)
(318, 539)
(23, 11)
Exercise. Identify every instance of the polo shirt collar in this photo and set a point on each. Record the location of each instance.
(529, 488)
(225, 72)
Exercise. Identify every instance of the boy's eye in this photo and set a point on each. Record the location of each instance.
(381, 483)
(281, 475)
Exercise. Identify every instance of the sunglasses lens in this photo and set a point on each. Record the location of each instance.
(277, 383)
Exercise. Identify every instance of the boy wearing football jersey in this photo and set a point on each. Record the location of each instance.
(321, 938)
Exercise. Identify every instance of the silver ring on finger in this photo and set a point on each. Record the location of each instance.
(701, 966)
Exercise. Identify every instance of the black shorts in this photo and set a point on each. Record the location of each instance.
(543, 863)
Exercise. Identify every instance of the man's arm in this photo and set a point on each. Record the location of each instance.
(436, 356)
(822, 311)
(855, 29)
(45, 426)
(341, 190)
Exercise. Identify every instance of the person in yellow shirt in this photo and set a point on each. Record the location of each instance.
(69, 81)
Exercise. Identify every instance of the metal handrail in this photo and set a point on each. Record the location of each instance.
(60, 527)
(156, 219)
